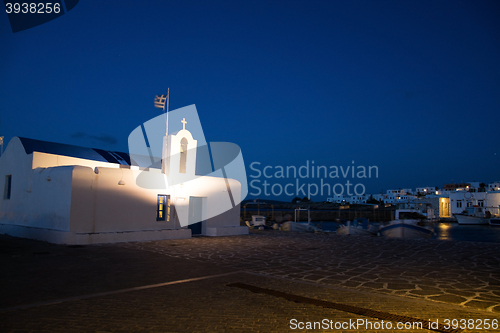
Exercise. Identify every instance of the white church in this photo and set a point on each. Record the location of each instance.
(67, 194)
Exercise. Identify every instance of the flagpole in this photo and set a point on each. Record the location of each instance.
(168, 98)
(160, 103)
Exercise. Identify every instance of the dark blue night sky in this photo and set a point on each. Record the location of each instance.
(412, 87)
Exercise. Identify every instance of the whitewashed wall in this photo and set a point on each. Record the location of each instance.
(86, 204)
(40, 197)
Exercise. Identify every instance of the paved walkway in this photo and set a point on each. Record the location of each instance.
(463, 273)
(194, 285)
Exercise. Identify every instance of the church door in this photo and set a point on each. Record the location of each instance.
(196, 214)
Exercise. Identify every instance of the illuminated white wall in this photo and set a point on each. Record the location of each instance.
(40, 197)
(98, 202)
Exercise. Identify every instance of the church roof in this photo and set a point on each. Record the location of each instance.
(32, 145)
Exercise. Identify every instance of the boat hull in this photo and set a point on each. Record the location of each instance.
(405, 230)
(467, 219)
(350, 230)
(495, 221)
(294, 226)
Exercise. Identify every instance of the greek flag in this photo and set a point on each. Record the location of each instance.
(160, 101)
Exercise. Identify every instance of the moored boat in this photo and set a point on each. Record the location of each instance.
(495, 221)
(301, 227)
(469, 219)
(472, 215)
(359, 227)
(402, 227)
(406, 229)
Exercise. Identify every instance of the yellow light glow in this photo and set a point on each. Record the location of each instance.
(444, 226)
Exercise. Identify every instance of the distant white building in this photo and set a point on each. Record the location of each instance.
(489, 201)
(495, 186)
(426, 190)
(354, 199)
(406, 197)
(449, 188)
(440, 205)
(473, 186)
(378, 197)
(357, 199)
(399, 192)
(337, 198)
(390, 198)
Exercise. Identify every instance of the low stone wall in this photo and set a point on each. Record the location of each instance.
(320, 215)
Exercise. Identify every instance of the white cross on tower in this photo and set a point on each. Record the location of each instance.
(184, 122)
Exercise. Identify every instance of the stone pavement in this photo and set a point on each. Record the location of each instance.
(463, 273)
(98, 288)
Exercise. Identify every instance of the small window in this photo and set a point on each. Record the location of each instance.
(163, 208)
(183, 156)
(8, 187)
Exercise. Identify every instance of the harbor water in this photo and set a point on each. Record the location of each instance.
(450, 231)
